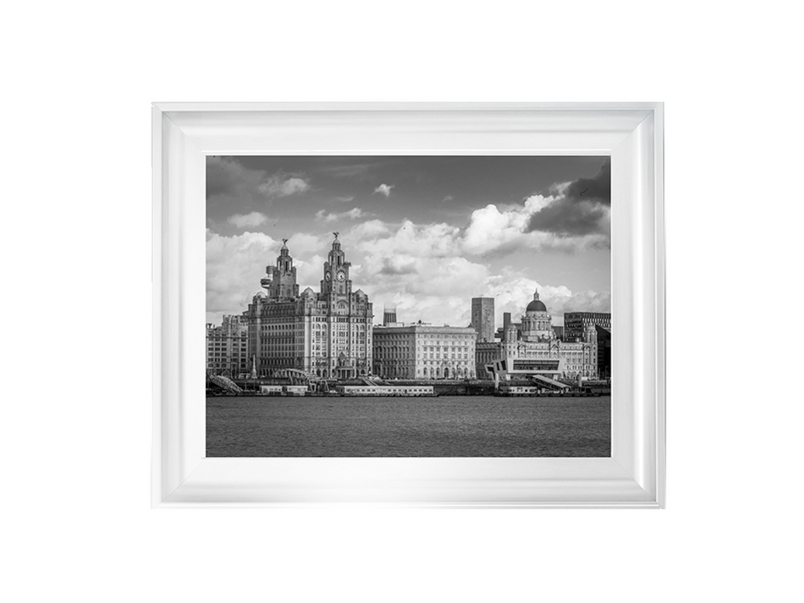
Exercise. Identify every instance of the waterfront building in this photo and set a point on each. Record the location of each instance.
(423, 351)
(575, 323)
(483, 318)
(485, 355)
(530, 349)
(325, 334)
(559, 331)
(227, 345)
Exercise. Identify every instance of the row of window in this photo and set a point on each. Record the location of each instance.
(402, 354)
(426, 373)
(379, 333)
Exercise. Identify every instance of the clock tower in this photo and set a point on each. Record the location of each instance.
(326, 334)
(336, 271)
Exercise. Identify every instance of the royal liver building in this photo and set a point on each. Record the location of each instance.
(327, 334)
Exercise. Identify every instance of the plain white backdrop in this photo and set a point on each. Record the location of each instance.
(78, 82)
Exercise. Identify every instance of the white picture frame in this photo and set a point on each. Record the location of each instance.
(632, 133)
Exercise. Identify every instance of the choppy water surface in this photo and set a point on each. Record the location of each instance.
(446, 426)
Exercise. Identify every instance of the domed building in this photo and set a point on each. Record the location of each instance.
(325, 333)
(531, 350)
(537, 325)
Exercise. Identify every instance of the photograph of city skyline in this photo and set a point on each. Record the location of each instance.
(408, 306)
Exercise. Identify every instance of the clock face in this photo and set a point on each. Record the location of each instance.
(341, 276)
(327, 276)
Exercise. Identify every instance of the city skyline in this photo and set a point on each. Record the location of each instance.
(425, 234)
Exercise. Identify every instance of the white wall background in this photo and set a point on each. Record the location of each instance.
(78, 80)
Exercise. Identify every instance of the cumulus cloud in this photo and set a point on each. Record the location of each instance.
(255, 218)
(425, 271)
(573, 216)
(418, 240)
(495, 231)
(352, 214)
(302, 245)
(370, 229)
(235, 266)
(434, 290)
(384, 189)
(398, 265)
(282, 185)
(490, 229)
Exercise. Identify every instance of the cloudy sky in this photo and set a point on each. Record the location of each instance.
(424, 233)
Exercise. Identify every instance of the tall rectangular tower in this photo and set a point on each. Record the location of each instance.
(389, 315)
(483, 318)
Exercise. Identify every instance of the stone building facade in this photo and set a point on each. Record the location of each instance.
(421, 351)
(531, 348)
(227, 347)
(326, 333)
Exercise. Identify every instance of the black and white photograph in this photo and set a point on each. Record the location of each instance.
(408, 306)
(421, 302)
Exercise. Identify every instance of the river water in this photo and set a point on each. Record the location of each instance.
(446, 426)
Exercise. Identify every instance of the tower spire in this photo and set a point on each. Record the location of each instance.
(336, 270)
(280, 279)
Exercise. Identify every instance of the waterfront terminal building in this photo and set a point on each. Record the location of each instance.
(227, 347)
(486, 354)
(424, 351)
(325, 334)
(531, 349)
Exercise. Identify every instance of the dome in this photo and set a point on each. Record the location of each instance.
(536, 306)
